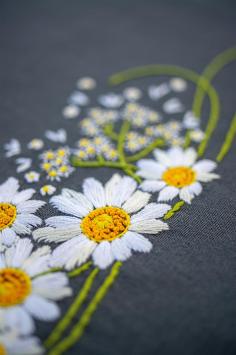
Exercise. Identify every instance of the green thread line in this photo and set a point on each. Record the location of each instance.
(72, 311)
(143, 153)
(78, 330)
(174, 209)
(210, 72)
(190, 75)
(80, 269)
(228, 140)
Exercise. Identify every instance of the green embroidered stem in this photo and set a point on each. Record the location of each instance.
(108, 130)
(79, 270)
(86, 316)
(187, 74)
(228, 140)
(121, 138)
(143, 153)
(173, 210)
(72, 311)
(210, 72)
(54, 269)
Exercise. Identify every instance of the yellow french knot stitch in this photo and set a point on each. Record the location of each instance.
(2, 350)
(15, 286)
(7, 215)
(105, 223)
(179, 176)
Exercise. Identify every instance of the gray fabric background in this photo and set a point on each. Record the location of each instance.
(179, 299)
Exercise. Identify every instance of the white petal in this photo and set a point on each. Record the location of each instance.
(8, 189)
(152, 185)
(7, 236)
(67, 205)
(137, 201)
(168, 193)
(186, 195)
(28, 220)
(62, 221)
(103, 256)
(195, 188)
(151, 226)
(111, 188)
(43, 286)
(17, 254)
(206, 177)
(151, 211)
(73, 252)
(18, 318)
(176, 155)
(204, 166)
(162, 157)
(190, 156)
(23, 196)
(30, 206)
(125, 189)
(150, 169)
(35, 267)
(56, 235)
(78, 198)
(20, 228)
(94, 192)
(24, 346)
(120, 249)
(137, 242)
(41, 308)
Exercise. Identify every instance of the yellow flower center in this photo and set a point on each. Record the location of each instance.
(179, 176)
(2, 350)
(106, 223)
(15, 286)
(7, 215)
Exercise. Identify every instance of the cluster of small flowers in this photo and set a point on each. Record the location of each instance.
(139, 115)
(89, 148)
(136, 141)
(56, 164)
(96, 120)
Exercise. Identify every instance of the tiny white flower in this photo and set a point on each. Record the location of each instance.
(176, 173)
(197, 135)
(190, 121)
(36, 144)
(26, 292)
(71, 111)
(178, 84)
(47, 190)
(173, 105)
(79, 98)
(132, 94)
(12, 344)
(12, 148)
(105, 222)
(17, 211)
(56, 136)
(156, 92)
(86, 83)
(23, 164)
(111, 100)
(32, 176)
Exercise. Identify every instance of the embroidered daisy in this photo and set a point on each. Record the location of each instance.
(176, 172)
(16, 211)
(103, 222)
(24, 293)
(32, 176)
(12, 344)
(47, 190)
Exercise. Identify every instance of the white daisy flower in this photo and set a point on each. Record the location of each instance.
(47, 190)
(173, 105)
(111, 100)
(17, 211)
(56, 136)
(26, 293)
(23, 164)
(79, 98)
(12, 344)
(178, 84)
(176, 172)
(103, 222)
(132, 94)
(32, 176)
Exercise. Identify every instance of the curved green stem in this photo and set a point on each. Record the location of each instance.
(121, 139)
(144, 152)
(230, 136)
